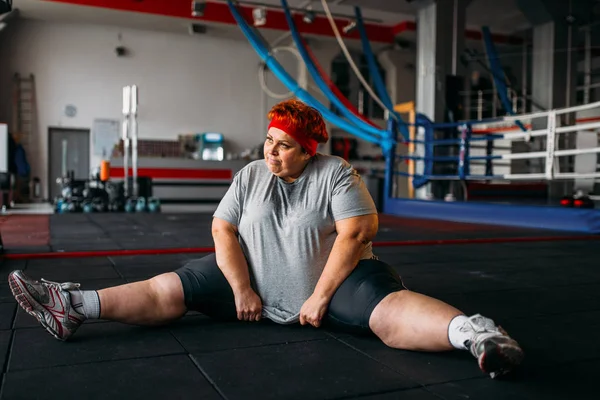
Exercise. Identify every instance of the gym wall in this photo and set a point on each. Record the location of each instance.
(187, 83)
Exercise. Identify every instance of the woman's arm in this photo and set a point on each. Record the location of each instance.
(230, 257)
(232, 263)
(354, 234)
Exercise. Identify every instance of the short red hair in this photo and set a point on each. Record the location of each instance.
(302, 118)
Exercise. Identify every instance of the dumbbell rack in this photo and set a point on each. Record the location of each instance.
(130, 144)
(130, 201)
(130, 133)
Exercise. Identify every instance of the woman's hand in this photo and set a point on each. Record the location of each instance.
(313, 310)
(248, 305)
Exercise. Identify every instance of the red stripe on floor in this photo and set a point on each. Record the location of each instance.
(403, 243)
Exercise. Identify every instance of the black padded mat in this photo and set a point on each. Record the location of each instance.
(205, 335)
(80, 232)
(544, 294)
(319, 369)
(35, 348)
(168, 377)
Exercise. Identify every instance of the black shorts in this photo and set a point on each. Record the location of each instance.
(207, 291)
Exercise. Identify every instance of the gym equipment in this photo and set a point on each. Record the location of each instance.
(154, 205)
(130, 204)
(88, 207)
(140, 205)
(130, 128)
(577, 200)
(5, 176)
(211, 146)
(99, 194)
(116, 195)
(104, 170)
(73, 193)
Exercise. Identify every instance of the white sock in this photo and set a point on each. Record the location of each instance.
(455, 336)
(86, 302)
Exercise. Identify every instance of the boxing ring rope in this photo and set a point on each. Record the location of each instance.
(464, 136)
(320, 81)
(503, 129)
(381, 137)
(547, 139)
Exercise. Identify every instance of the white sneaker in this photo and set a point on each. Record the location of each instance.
(49, 302)
(496, 352)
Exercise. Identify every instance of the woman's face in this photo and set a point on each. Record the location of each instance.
(284, 156)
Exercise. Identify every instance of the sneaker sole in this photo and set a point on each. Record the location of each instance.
(30, 305)
(501, 361)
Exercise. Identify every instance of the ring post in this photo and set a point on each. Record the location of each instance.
(465, 144)
(125, 136)
(389, 149)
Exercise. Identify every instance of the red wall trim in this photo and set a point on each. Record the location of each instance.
(403, 27)
(219, 13)
(175, 173)
(410, 26)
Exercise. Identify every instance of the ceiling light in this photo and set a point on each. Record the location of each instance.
(309, 15)
(198, 8)
(260, 16)
(350, 27)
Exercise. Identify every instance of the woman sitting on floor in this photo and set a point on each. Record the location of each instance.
(292, 244)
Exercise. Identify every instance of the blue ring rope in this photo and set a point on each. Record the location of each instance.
(291, 84)
(380, 86)
(319, 79)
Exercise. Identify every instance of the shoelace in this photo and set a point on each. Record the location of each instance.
(61, 286)
(479, 324)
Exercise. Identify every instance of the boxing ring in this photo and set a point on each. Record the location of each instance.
(544, 142)
(484, 151)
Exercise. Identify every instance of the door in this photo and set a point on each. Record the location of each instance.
(69, 150)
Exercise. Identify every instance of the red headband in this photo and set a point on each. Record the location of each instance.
(308, 144)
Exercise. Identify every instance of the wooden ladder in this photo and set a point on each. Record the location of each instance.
(23, 124)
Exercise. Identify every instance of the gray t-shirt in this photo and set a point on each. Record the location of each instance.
(287, 230)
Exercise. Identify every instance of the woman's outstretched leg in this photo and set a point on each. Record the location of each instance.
(62, 307)
(412, 321)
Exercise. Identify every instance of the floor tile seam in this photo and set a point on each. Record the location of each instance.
(76, 364)
(386, 365)
(91, 220)
(475, 378)
(2, 385)
(114, 267)
(207, 352)
(206, 376)
(383, 392)
(428, 387)
(9, 354)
